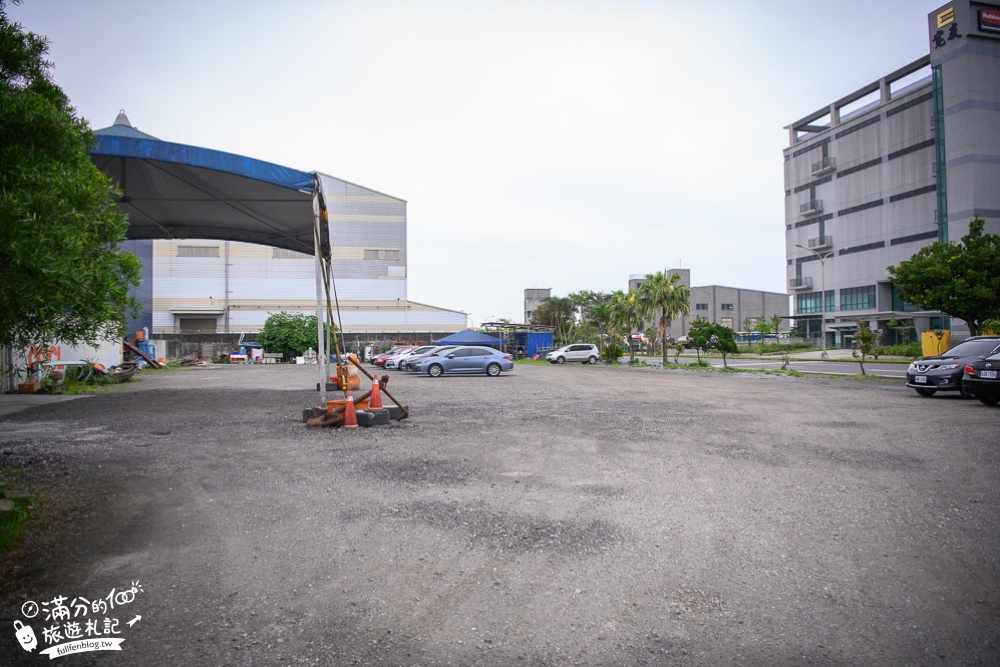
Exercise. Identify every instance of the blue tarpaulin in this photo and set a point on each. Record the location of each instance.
(468, 337)
(177, 191)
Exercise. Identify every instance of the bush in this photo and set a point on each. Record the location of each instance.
(612, 351)
(787, 347)
(911, 350)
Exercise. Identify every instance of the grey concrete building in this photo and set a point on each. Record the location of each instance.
(737, 308)
(900, 163)
(533, 297)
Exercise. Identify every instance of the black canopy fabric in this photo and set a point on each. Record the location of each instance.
(186, 192)
(468, 337)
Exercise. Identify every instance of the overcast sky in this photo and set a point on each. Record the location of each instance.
(538, 144)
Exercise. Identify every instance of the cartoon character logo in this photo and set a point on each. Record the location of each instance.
(25, 636)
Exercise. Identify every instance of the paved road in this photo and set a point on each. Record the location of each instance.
(886, 370)
(840, 363)
(557, 515)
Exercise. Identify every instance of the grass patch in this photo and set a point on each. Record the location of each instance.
(764, 371)
(528, 361)
(12, 522)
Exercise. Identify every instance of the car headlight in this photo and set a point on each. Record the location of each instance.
(948, 367)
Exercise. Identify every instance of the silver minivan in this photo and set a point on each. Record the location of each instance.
(582, 352)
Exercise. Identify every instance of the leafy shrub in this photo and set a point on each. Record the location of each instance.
(911, 350)
(612, 351)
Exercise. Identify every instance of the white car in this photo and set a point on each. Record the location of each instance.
(588, 354)
(393, 361)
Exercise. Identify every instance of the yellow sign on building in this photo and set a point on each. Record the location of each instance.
(946, 17)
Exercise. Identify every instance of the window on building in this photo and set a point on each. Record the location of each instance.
(727, 306)
(727, 322)
(197, 251)
(285, 253)
(381, 254)
(701, 306)
(858, 298)
(811, 302)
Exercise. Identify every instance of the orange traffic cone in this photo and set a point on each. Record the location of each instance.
(375, 400)
(350, 416)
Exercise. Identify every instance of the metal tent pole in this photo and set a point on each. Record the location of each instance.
(320, 337)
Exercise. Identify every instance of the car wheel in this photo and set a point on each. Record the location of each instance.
(493, 370)
(926, 392)
(561, 360)
(435, 371)
(989, 400)
(592, 360)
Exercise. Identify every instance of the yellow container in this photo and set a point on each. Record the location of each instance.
(931, 345)
(352, 383)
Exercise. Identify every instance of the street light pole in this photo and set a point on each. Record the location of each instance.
(822, 297)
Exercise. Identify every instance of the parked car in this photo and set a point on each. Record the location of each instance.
(980, 379)
(379, 360)
(394, 360)
(411, 362)
(588, 354)
(472, 359)
(944, 372)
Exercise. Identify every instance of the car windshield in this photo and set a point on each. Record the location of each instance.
(972, 348)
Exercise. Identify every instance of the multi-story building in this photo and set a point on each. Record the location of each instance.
(532, 298)
(900, 163)
(737, 308)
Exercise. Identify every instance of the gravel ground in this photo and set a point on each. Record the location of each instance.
(557, 515)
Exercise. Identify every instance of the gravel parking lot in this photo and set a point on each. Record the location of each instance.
(556, 515)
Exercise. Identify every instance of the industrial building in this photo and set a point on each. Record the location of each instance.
(737, 308)
(902, 162)
(206, 289)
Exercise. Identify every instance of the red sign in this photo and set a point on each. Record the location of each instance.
(989, 20)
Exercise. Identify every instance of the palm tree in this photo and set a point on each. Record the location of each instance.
(593, 310)
(558, 312)
(627, 311)
(662, 292)
(600, 317)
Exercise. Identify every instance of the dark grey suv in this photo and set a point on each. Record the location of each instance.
(930, 375)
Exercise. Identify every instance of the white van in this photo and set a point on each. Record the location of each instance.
(588, 354)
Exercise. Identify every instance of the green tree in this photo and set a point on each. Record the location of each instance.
(558, 312)
(722, 339)
(960, 279)
(627, 312)
(775, 324)
(700, 335)
(64, 278)
(650, 335)
(600, 317)
(865, 343)
(664, 293)
(764, 329)
(286, 333)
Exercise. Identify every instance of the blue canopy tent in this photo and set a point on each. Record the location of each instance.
(468, 337)
(176, 191)
(186, 192)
